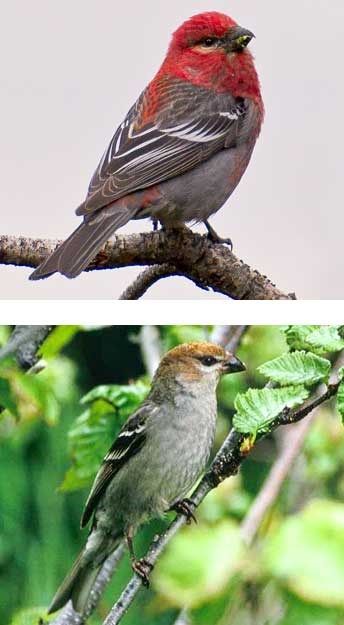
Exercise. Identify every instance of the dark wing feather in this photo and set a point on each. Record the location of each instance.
(197, 125)
(128, 443)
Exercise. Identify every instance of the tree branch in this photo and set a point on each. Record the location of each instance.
(208, 265)
(146, 279)
(225, 464)
(24, 344)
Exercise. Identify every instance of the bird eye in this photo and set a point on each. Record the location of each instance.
(209, 41)
(208, 361)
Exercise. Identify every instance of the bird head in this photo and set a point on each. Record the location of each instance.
(196, 364)
(212, 34)
(210, 50)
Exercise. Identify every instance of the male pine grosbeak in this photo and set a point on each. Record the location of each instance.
(183, 146)
(157, 457)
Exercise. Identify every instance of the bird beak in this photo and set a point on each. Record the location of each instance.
(233, 365)
(238, 38)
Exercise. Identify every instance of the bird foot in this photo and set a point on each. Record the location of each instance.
(184, 506)
(215, 238)
(143, 569)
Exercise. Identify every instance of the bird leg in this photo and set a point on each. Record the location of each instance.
(141, 567)
(214, 237)
(184, 506)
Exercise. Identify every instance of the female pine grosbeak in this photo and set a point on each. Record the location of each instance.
(183, 146)
(158, 455)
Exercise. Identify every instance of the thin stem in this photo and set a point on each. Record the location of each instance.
(146, 279)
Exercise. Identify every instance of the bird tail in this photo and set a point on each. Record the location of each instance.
(76, 586)
(73, 256)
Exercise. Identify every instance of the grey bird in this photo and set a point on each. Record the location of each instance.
(183, 147)
(155, 460)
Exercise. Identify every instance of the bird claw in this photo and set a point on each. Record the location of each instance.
(184, 507)
(215, 238)
(142, 568)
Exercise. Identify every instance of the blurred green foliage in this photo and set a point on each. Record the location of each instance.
(56, 426)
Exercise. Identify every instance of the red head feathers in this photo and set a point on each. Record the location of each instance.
(210, 24)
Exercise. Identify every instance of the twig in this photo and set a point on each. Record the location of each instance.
(146, 279)
(24, 344)
(208, 265)
(292, 445)
(290, 415)
(225, 464)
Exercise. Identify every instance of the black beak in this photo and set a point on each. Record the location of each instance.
(233, 365)
(238, 38)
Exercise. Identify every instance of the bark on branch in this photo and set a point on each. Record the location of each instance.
(193, 256)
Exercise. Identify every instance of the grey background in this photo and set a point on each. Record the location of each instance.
(71, 70)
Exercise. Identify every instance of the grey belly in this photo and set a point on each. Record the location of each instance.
(150, 485)
(197, 194)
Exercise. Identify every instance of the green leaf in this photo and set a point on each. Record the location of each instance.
(56, 340)
(297, 336)
(6, 398)
(257, 408)
(89, 439)
(340, 400)
(28, 616)
(122, 397)
(317, 339)
(326, 339)
(96, 428)
(297, 368)
(193, 570)
(298, 612)
(306, 553)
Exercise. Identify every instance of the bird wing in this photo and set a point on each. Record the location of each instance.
(128, 443)
(193, 123)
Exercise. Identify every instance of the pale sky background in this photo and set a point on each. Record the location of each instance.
(71, 70)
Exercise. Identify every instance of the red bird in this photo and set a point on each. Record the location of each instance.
(183, 146)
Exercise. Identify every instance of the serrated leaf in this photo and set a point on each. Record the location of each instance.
(297, 368)
(125, 397)
(89, 440)
(340, 400)
(257, 408)
(96, 428)
(326, 339)
(297, 336)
